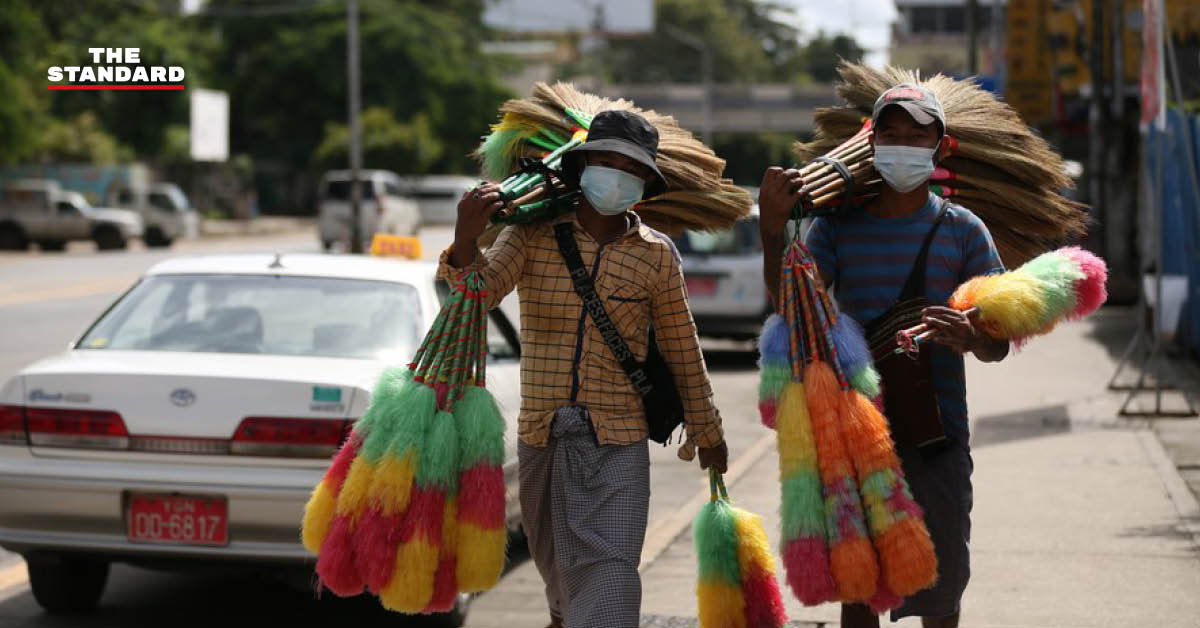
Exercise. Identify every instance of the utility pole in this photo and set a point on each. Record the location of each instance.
(356, 235)
(1097, 118)
(706, 72)
(972, 17)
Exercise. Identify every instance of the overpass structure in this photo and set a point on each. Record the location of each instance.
(735, 108)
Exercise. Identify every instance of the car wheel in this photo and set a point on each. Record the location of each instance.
(52, 245)
(66, 584)
(12, 238)
(155, 237)
(109, 238)
(455, 617)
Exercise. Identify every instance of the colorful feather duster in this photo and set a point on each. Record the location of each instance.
(736, 587)
(524, 151)
(412, 507)
(1065, 284)
(851, 529)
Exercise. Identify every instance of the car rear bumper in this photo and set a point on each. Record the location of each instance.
(730, 326)
(70, 505)
(79, 506)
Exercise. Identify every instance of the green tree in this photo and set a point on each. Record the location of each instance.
(822, 53)
(287, 77)
(749, 44)
(22, 107)
(403, 147)
(81, 139)
(137, 119)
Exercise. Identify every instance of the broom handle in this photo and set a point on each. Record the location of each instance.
(716, 485)
(836, 182)
(854, 140)
(842, 153)
(922, 332)
(831, 176)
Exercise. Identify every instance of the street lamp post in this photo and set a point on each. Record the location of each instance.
(355, 126)
(706, 72)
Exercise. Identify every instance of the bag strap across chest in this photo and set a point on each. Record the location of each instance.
(581, 279)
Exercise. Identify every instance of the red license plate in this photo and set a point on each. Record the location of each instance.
(701, 286)
(178, 519)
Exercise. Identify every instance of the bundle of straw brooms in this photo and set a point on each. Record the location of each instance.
(524, 151)
(990, 162)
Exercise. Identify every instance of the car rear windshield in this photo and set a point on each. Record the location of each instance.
(265, 314)
(340, 190)
(742, 239)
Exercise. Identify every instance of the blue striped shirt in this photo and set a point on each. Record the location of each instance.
(868, 258)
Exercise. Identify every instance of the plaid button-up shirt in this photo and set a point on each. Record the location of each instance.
(564, 359)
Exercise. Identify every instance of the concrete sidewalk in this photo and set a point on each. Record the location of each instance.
(1080, 518)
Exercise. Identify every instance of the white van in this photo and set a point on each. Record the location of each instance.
(384, 207)
(437, 195)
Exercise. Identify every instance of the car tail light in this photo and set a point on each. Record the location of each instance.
(12, 426)
(300, 438)
(89, 429)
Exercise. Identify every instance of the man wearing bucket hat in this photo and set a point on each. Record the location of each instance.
(911, 243)
(584, 458)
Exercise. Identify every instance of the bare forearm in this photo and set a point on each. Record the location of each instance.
(464, 252)
(772, 261)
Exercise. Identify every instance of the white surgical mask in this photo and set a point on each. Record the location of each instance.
(904, 167)
(611, 191)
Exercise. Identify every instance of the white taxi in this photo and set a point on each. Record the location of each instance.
(192, 419)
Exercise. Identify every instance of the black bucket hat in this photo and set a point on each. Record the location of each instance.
(623, 132)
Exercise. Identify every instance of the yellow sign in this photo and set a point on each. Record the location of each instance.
(1048, 43)
(385, 245)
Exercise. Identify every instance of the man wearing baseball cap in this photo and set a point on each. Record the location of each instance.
(895, 261)
(584, 461)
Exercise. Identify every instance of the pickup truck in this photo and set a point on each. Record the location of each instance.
(39, 210)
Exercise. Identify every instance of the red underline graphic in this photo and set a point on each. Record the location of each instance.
(116, 87)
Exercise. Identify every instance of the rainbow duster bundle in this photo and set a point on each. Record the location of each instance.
(412, 507)
(524, 152)
(1065, 284)
(852, 531)
(736, 587)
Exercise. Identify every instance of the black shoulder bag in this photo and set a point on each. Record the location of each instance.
(909, 400)
(652, 378)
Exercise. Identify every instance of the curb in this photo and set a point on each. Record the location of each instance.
(1181, 496)
(667, 529)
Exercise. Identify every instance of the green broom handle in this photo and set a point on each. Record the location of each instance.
(434, 330)
(716, 485)
(429, 361)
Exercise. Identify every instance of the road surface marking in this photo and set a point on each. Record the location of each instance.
(92, 287)
(666, 530)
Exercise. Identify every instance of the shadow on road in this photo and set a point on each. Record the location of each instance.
(138, 598)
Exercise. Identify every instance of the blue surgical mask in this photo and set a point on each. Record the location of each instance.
(610, 191)
(904, 167)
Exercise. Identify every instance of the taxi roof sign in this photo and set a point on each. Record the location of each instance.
(386, 245)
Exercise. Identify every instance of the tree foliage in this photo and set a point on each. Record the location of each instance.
(748, 41)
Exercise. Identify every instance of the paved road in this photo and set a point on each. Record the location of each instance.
(47, 301)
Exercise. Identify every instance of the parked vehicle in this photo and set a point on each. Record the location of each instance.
(384, 207)
(190, 422)
(39, 210)
(166, 211)
(163, 207)
(437, 195)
